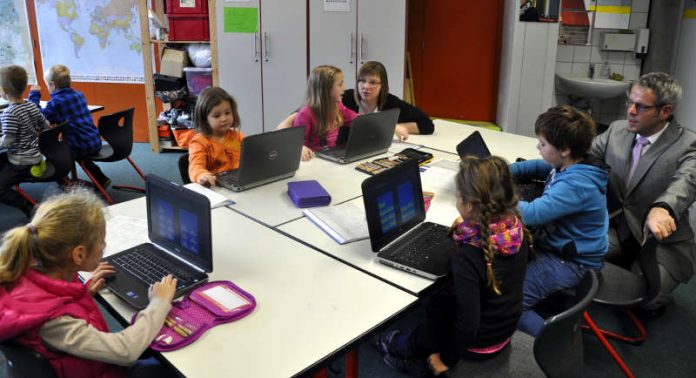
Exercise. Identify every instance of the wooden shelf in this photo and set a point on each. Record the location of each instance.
(162, 41)
(167, 145)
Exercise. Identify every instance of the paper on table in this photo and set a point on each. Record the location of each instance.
(437, 179)
(345, 223)
(216, 199)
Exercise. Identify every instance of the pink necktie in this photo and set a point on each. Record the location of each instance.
(641, 142)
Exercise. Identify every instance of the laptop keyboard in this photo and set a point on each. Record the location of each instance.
(150, 268)
(429, 237)
(337, 152)
(229, 178)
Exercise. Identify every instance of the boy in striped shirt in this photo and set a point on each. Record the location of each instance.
(22, 122)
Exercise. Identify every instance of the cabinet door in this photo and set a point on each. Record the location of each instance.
(239, 67)
(332, 38)
(284, 58)
(382, 37)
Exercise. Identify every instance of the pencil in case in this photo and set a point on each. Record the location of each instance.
(203, 308)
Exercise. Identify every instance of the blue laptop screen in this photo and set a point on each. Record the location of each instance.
(176, 225)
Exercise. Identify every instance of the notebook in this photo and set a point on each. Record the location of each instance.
(395, 213)
(178, 225)
(265, 158)
(370, 134)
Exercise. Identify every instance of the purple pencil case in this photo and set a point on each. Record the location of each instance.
(203, 308)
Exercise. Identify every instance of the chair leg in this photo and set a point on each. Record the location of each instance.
(97, 185)
(132, 188)
(25, 195)
(352, 365)
(600, 335)
(637, 340)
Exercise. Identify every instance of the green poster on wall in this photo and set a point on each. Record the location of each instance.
(241, 20)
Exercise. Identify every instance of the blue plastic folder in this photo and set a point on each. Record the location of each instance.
(308, 193)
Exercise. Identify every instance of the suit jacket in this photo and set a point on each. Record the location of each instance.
(665, 174)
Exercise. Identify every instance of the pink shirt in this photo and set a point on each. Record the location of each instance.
(305, 117)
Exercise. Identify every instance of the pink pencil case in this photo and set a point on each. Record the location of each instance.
(203, 308)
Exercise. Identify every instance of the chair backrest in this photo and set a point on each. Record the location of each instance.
(183, 168)
(558, 349)
(117, 130)
(18, 362)
(647, 260)
(54, 146)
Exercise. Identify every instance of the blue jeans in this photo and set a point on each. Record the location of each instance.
(547, 274)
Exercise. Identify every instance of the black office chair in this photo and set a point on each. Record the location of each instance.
(183, 168)
(17, 361)
(56, 150)
(558, 348)
(619, 287)
(117, 131)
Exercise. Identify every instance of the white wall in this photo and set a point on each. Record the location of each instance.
(684, 65)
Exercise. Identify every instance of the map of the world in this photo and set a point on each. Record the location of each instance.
(15, 43)
(99, 40)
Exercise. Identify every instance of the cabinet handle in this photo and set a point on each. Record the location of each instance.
(362, 48)
(351, 54)
(265, 47)
(256, 48)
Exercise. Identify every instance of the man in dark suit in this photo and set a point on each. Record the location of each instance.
(652, 182)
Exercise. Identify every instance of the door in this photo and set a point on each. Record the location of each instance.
(283, 58)
(332, 38)
(239, 67)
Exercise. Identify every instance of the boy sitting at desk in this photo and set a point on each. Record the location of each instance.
(69, 105)
(570, 217)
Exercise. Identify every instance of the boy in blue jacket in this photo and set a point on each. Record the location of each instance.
(570, 217)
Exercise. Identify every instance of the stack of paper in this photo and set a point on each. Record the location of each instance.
(345, 223)
(216, 199)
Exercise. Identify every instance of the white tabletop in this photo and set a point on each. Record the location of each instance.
(309, 305)
(92, 108)
(448, 134)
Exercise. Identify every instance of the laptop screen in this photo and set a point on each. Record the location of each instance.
(473, 145)
(178, 220)
(393, 203)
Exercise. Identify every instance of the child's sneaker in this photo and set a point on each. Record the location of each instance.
(384, 340)
(408, 366)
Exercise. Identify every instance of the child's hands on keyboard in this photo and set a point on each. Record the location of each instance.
(99, 276)
(164, 289)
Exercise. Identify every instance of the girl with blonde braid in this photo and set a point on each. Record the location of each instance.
(476, 313)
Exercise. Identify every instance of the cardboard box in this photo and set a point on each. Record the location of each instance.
(173, 62)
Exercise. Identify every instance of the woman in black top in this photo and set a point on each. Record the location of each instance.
(372, 94)
(476, 313)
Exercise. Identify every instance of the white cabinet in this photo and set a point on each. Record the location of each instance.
(367, 30)
(264, 71)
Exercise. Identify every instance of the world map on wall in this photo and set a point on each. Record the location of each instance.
(99, 40)
(15, 43)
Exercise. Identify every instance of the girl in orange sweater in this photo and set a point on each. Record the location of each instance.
(217, 145)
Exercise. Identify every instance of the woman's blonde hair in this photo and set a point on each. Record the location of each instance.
(60, 224)
(488, 186)
(59, 75)
(319, 86)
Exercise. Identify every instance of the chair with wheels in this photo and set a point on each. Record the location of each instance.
(619, 287)
(117, 130)
(17, 361)
(183, 168)
(558, 349)
(59, 162)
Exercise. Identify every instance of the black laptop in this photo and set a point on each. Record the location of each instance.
(265, 158)
(178, 225)
(395, 214)
(370, 134)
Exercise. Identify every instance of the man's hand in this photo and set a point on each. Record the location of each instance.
(659, 223)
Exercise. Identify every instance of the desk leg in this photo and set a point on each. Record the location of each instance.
(352, 365)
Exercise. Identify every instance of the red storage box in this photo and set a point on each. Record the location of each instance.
(188, 27)
(187, 6)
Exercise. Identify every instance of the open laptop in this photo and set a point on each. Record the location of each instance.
(370, 134)
(395, 214)
(178, 225)
(265, 158)
(476, 146)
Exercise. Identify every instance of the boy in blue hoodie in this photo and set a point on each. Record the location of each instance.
(570, 217)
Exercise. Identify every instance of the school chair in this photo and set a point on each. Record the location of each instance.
(117, 130)
(59, 162)
(558, 348)
(619, 287)
(183, 168)
(17, 361)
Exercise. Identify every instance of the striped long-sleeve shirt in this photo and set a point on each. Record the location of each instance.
(21, 125)
(69, 105)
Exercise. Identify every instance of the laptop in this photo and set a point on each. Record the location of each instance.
(265, 158)
(4, 103)
(370, 134)
(476, 146)
(178, 225)
(395, 213)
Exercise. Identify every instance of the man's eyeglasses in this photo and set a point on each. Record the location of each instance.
(640, 108)
(372, 83)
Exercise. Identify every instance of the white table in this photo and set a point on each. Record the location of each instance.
(448, 134)
(310, 306)
(92, 108)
